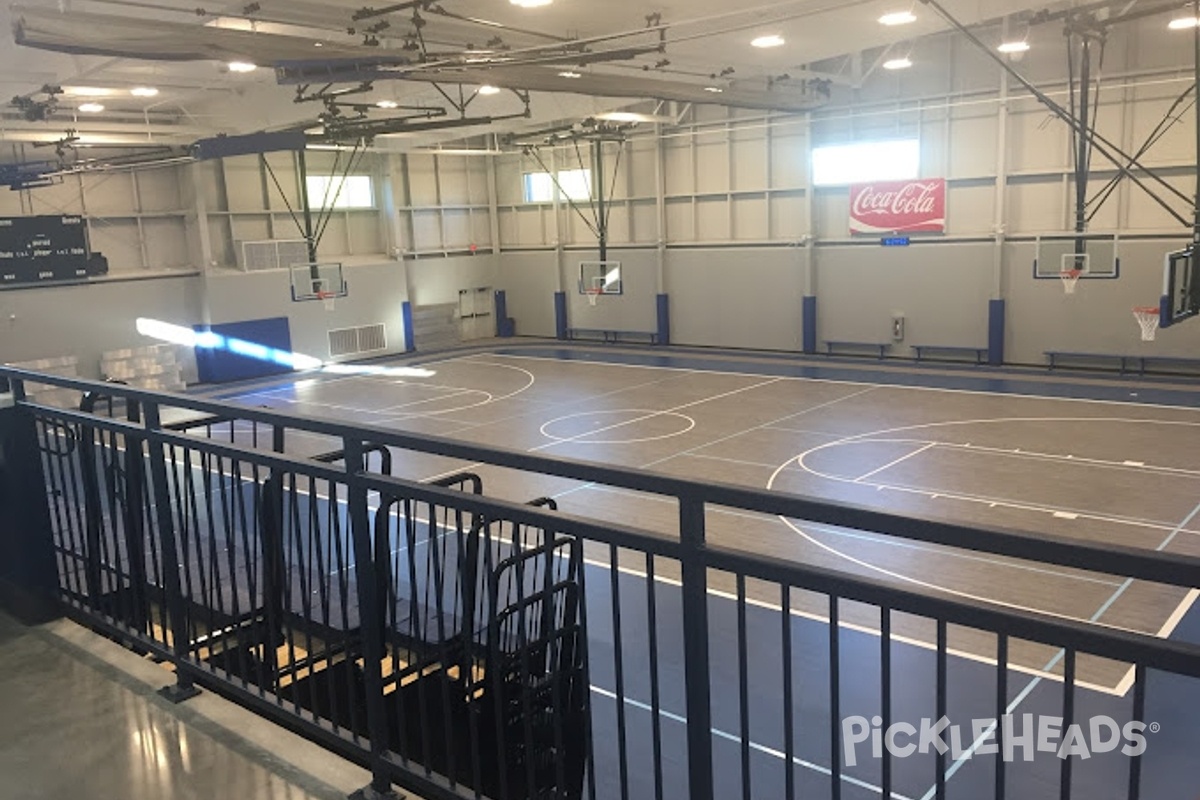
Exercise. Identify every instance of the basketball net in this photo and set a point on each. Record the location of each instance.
(1149, 319)
(1070, 279)
(593, 295)
(329, 299)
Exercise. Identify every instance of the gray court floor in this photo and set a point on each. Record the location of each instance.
(1094, 470)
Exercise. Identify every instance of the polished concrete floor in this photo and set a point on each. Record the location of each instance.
(73, 726)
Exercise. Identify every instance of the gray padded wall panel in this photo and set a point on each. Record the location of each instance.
(942, 290)
(87, 320)
(736, 297)
(530, 280)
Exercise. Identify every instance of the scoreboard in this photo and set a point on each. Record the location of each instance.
(40, 249)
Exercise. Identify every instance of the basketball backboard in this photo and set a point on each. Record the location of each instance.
(1181, 287)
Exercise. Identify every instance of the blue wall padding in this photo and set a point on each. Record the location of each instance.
(664, 319)
(996, 309)
(505, 327)
(407, 320)
(501, 311)
(253, 348)
(808, 322)
(560, 315)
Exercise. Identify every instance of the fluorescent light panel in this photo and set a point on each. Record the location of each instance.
(242, 66)
(144, 91)
(531, 3)
(91, 108)
(487, 89)
(1014, 47)
(770, 40)
(898, 63)
(898, 18)
(1182, 23)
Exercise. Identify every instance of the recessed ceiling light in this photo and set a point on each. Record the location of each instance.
(713, 89)
(488, 89)
(242, 66)
(388, 104)
(770, 40)
(1014, 47)
(569, 74)
(1182, 23)
(144, 91)
(318, 44)
(87, 91)
(898, 18)
(531, 3)
(91, 108)
(898, 63)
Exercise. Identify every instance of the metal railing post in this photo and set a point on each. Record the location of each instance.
(29, 579)
(367, 585)
(176, 605)
(695, 648)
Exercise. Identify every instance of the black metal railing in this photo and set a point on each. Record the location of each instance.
(459, 645)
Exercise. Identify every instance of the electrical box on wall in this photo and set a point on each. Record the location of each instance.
(898, 327)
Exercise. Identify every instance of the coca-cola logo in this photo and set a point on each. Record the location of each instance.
(913, 199)
(898, 206)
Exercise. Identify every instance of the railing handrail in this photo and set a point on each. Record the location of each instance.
(1176, 570)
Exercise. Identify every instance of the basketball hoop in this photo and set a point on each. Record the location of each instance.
(592, 295)
(1070, 279)
(329, 299)
(1149, 318)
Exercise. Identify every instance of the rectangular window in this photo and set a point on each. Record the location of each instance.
(842, 164)
(349, 191)
(576, 185)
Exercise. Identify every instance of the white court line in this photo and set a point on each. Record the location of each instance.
(898, 461)
(1062, 654)
(663, 412)
(979, 392)
(731, 737)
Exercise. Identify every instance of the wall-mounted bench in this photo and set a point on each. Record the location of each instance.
(978, 353)
(1122, 361)
(879, 347)
(610, 335)
(1189, 363)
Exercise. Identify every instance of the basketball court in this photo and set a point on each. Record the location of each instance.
(1020, 451)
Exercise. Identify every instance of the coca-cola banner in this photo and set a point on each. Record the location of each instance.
(898, 206)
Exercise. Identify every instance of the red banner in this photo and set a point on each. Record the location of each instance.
(898, 207)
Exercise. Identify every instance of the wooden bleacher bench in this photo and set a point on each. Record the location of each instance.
(882, 347)
(611, 334)
(980, 353)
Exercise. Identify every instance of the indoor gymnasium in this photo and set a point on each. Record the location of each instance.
(542, 399)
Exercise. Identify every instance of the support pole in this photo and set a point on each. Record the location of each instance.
(601, 216)
(1082, 146)
(1196, 68)
(306, 206)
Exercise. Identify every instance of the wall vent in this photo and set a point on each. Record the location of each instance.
(271, 254)
(354, 341)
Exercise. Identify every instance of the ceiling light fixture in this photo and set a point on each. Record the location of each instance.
(242, 66)
(898, 63)
(388, 104)
(144, 91)
(318, 44)
(1014, 47)
(87, 91)
(770, 40)
(569, 74)
(531, 3)
(91, 108)
(713, 89)
(898, 18)
(1182, 23)
(488, 89)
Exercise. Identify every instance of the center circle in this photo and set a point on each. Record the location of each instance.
(619, 426)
